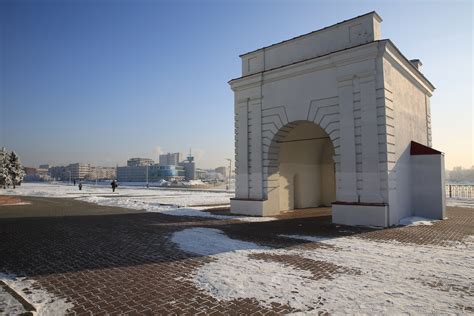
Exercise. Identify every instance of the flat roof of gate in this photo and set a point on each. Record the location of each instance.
(316, 31)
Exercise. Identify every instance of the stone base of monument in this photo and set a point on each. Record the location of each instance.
(253, 207)
(364, 214)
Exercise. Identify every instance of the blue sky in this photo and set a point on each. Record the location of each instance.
(102, 81)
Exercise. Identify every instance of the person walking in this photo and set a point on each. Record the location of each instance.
(114, 185)
(80, 186)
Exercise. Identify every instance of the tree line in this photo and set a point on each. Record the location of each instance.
(461, 175)
(11, 170)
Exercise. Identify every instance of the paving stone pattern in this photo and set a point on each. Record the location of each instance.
(126, 263)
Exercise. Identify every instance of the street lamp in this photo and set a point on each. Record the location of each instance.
(230, 173)
(147, 185)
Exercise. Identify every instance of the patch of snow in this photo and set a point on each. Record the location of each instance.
(254, 219)
(234, 275)
(209, 241)
(126, 202)
(44, 302)
(15, 203)
(151, 206)
(392, 277)
(416, 221)
(193, 182)
(162, 182)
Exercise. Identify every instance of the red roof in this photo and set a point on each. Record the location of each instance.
(419, 149)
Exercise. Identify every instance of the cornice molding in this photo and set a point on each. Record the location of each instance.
(333, 60)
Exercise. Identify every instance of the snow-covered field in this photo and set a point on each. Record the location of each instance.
(179, 197)
(460, 202)
(392, 278)
(178, 202)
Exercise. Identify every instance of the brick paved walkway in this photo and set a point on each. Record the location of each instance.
(126, 263)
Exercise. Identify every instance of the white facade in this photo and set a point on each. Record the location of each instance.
(328, 118)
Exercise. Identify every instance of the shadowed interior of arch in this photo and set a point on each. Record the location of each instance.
(306, 175)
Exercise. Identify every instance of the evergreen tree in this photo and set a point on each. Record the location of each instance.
(5, 177)
(15, 169)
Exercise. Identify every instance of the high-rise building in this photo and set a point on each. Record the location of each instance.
(171, 159)
(189, 167)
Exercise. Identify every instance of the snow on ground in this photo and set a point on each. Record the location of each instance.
(416, 221)
(150, 206)
(209, 241)
(393, 277)
(182, 197)
(9, 305)
(460, 202)
(178, 202)
(44, 302)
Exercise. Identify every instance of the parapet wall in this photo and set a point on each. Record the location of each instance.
(350, 33)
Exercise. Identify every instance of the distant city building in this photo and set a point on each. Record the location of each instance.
(189, 168)
(45, 166)
(35, 174)
(171, 159)
(79, 171)
(170, 168)
(168, 172)
(222, 171)
(102, 173)
(201, 174)
(136, 162)
(31, 174)
(58, 173)
(43, 173)
(153, 173)
(131, 174)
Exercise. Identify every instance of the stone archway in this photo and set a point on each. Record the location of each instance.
(370, 100)
(304, 173)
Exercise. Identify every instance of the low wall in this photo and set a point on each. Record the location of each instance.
(360, 214)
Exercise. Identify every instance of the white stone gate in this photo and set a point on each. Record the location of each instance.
(367, 104)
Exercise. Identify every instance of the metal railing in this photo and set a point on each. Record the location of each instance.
(462, 191)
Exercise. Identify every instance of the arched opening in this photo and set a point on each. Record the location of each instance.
(306, 172)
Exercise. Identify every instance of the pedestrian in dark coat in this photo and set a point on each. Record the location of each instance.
(114, 185)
